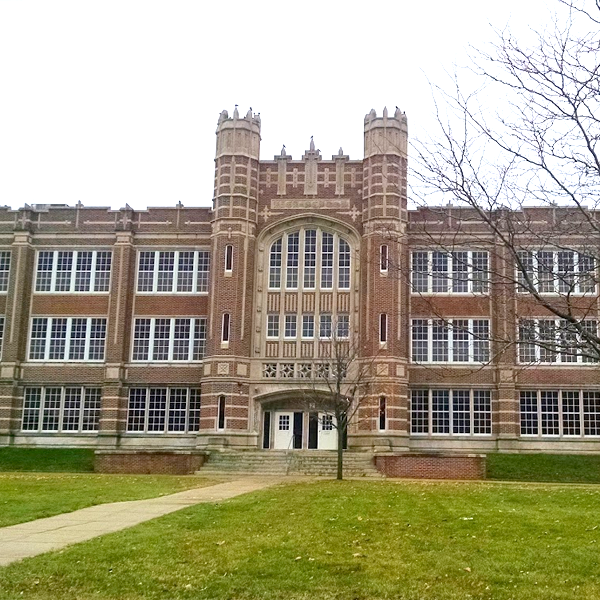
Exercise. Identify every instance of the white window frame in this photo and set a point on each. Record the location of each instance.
(139, 420)
(429, 419)
(556, 419)
(384, 258)
(290, 329)
(478, 285)
(228, 266)
(95, 273)
(452, 341)
(308, 325)
(541, 354)
(200, 272)
(68, 340)
(193, 341)
(89, 408)
(550, 283)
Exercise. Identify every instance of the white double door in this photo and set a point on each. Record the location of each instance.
(284, 431)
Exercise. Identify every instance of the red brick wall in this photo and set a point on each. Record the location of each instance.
(432, 466)
(168, 463)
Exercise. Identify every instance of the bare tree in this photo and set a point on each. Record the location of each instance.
(528, 137)
(340, 383)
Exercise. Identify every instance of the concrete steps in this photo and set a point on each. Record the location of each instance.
(297, 462)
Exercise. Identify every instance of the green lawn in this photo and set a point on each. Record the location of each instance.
(342, 540)
(53, 460)
(561, 468)
(28, 496)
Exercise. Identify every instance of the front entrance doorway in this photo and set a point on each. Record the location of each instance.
(295, 430)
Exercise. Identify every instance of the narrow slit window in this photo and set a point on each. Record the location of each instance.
(226, 325)
(383, 258)
(383, 325)
(228, 258)
(221, 415)
(382, 413)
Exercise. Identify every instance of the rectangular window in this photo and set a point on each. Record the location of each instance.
(308, 326)
(556, 341)
(73, 271)
(221, 413)
(564, 272)
(291, 273)
(72, 339)
(163, 410)
(327, 261)
(273, 326)
(564, 413)
(4, 270)
(325, 326)
(343, 326)
(310, 258)
(451, 412)
(343, 265)
(57, 409)
(290, 326)
(456, 272)
(383, 258)
(275, 265)
(173, 272)
(173, 339)
(452, 340)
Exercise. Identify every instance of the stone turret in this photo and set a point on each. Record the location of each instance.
(385, 134)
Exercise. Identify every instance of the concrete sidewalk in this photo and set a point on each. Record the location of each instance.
(36, 537)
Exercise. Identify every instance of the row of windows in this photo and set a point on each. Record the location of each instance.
(329, 326)
(55, 409)
(73, 271)
(72, 338)
(308, 259)
(453, 340)
(172, 339)
(174, 271)
(556, 272)
(556, 341)
(450, 272)
(163, 410)
(83, 339)
(453, 412)
(560, 413)
(433, 412)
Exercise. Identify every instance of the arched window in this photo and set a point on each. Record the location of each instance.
(310, 256)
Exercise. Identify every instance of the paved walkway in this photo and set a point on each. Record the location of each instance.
(36, 537)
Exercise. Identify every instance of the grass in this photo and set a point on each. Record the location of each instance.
(342, 540)
(28, 496)
(561, 468)
(52, 460)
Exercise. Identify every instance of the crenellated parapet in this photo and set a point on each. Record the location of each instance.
(385, 134)
(238, 135)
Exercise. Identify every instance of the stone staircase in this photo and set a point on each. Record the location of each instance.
(297, 462)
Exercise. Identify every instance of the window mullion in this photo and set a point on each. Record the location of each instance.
(171, 338)
(152, 341)
(429, 267)
(175, 271)
(146, 409)
(186, 414)
(155, 271)
(429, 412)
(67, 348)
(61, 410)
(195, 259)
(88, 335)
(451, 412)
(93, 274)
(538, 396)
(54, 269)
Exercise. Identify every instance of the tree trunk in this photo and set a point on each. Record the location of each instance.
(341, 431)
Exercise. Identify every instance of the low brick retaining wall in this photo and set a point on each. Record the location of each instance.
(147, 461)
(432, 466)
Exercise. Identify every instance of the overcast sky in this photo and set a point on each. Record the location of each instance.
(114, 102)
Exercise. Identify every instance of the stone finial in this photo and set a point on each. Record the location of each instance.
(385, 112)
(340, 152)
(283, 152)
(398, 113)
(223, 116)
(236, 114)
(312, 144)
(249, 114)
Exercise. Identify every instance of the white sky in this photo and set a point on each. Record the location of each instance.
(116, 101)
